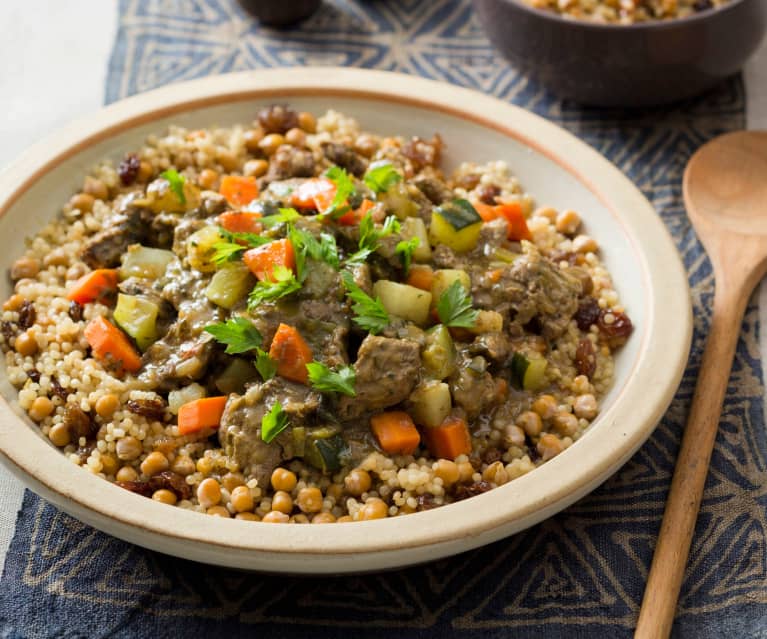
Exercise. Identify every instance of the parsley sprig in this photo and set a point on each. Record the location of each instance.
(265, 365)
(370, 313)
(282, 283)
(326, 380)
(176, 182)
(283, 216)
(306, 245)
(344, 190)
(233, 244)
(370, 237)
(381, 176)
(273, 423)
(405, 249)
(454, 307)
(238, 333)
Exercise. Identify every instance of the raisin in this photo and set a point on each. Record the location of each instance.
(616, 332)
(422, 153)
(34, 375)
(152, 409)
(277, 119)
(587, 314)
(426, 501)
(27, 315)
(477, 488)
(9, 331)
(702, 5)
(75, 311)
(83, 452)
(79, 422)
(532, 453)
(487, 193)
(139, 487)
(58, 390)
(173, 482)
(128, 169)
(491, 455)
(585, 358)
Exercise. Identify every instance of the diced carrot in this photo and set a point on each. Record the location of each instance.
(495, 275)
(316, 193)
(262, 259)
(239, 190)
(449, 439)
(421, 276)
(395, 431)
(487, 212)
(353, 217)
(240, 221)
(292, 354)
(111, 346)
(94, 286)
(200, 413)
(515, 219)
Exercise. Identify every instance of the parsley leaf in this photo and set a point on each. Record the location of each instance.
(265, 365)
(370, 237)
(273, 423)
(238, 333)
(370, 313)
(344, 190)
(454, 307)
(232, 246)
(380, 176)
(405, 250)
(226, 252)
(285, 216)
(326, 380)
(176, 182)
(306, 245)
(283, 283)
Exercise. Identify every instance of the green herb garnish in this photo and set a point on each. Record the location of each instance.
(370, 237)
(238, 333)
(344, 190)
(370, 313)
(273, 423)
(283, 283)
(306, 245)
(380, 176)
(232, 245)
(454, 307)
(405, 250)
(265, 365)
(284, 216)
(327, 380)
(176, 182)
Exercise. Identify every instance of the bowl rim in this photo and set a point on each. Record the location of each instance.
(650, 25)
(641, 402)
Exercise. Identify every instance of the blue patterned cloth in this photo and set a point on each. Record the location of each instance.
(579, 574)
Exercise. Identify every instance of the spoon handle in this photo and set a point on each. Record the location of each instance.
(668, 565)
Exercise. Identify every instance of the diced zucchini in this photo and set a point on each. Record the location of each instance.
(234, 377)
(430, 403)
(505, 255)
(184, 395)
(487, 322)
(528, 371)
(439, 355)
(455, 224)
(199, 248)
(230, 285)
(299, 440)
(161, 197)
(397, 201)
(326, 449)
(415, 227)
(443, 278)
(402, 300)
(137, 316)
(143, 261)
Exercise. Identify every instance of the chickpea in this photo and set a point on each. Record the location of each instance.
(585, 406)
(108, 464)
(283, 479)
(40, 409)
(366, 145)
(271, 143)
(227, 160)
(514, 435)
(465, 471)
(357, 482)
(549, 446)
(230, 481)
(25, 344)
(585, 244)
(255, 168)
(165, 496)
(295, 137)
(208, 492)
(183, 160)
(546, 211)
(275, 517)
(218, 511)
(309, 500)
(207, 178)
(154, 463)
(300, 518)
(496, 473)
(307, 122)
(183, 465)
(568, 222)
(126, 473)
(106, 405)
(205, 465)
(447, 471)
(282, 501)
(128, 448)
(25, 267)
(59, 435)
(241, 499)
(334, 491)
(323, 518)
(374, 508)
(545, 406)
(565, 423)
(96, 188)
(248, 516)
(530, 422)
(82, 201)
(145, 171)
(14, 302)
(252, 138)
(344, 519)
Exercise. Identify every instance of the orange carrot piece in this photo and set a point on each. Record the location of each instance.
(316, 193)
(487, 212)
(495, 275)
(262, 259)
(240, 221)
(353, 217)
(515, 219)
(239, 190)
(421, 276)
(395, 431)
(94, 286)
(450, 439)
(111, 346)
(201, 413)
(292, 354)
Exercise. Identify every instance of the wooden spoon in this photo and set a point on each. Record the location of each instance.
(725, 191)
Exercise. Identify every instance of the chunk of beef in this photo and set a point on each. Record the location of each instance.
(386, 373)
(472, 388)
(105, 249)
(492, 236)
(434, 189)
(212, 204)
(185, 227)
(345, 157)
(289, 162)
(494, 346)
(240, 431)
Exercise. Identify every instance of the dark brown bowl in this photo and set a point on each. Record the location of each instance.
(625, 65)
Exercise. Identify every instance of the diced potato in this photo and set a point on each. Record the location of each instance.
(442, 232)
(137, 316)
(161, 197)
(402, 300)
(184, 395)
(143, 261)
(488, 322)
(415, 227)
(430, 403)
(199, 248)
(397, 201)
(439, 355)
(443, 278)
(230, 285)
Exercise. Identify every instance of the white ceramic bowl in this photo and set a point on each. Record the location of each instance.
(554, 166)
